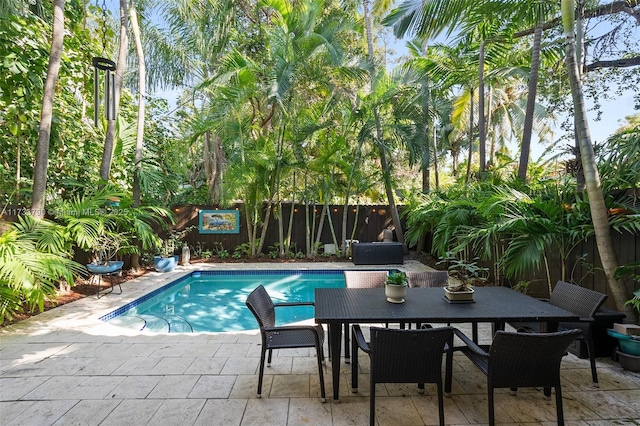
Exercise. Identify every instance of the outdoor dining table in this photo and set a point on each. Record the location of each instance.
(498, 305)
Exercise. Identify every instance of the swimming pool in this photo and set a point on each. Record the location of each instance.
(214, 301)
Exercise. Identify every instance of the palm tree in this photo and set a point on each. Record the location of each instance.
(44, 131)
(597, 205)
(33, 260)
(142, 81)
(110, 136)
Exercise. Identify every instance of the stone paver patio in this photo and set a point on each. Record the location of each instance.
(66, 367)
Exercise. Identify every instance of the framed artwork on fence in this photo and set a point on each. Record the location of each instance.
(219, 222)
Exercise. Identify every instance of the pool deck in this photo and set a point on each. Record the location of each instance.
(65, 367)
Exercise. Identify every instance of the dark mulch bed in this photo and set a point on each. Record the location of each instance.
(83, 288)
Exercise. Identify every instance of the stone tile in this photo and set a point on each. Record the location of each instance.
(201, 350)
(43, 413)
(246, 387)
(136, 366)
(243, 366)
(12, 389)
(88, 412)
(177, 412)
(266, 411)
(171, 366)
(350, 411)
(133, 387)
(12, 409)
(221, 412)
(70, 387)
(62, 366)
(304, 411)
(133, 412)
(396, 411)
(609, 405)
(206, 366)
(427, 407)
(101, 366)
(233, 350)
(109, 350)
(213, 387)
(173, 351)
(174, 387)
(290, 385)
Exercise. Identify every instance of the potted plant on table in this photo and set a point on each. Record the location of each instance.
(458, 292)
(395, 287)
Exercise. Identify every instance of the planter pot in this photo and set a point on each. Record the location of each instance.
(165, 264)
(103, 269)
(458, 296)
(395, 293)
(628, 344)
(629, 362)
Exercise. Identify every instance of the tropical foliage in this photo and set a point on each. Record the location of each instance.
(303, 101)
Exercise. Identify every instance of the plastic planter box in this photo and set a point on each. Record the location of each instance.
(628, 345)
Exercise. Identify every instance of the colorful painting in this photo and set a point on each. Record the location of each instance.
(219, 222)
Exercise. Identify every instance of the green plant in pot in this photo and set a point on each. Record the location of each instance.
(396, 287)
(458, 292)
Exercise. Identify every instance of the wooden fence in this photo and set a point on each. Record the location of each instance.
(368, 224)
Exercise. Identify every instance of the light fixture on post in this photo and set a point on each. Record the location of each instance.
(101, 64)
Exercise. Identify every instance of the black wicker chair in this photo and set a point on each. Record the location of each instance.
(283, 337)
(521, 360)
(404, 356)
(581, 301)
(428, 278)
(361, 279)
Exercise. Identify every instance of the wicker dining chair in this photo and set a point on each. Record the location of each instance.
(361, 279)
(428, 278)
(283, 337)
(404, 356)
(582, 302)
(521, 360)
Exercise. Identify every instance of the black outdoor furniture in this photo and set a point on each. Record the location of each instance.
(377, 253)
(404, 356)
(497, 305)
(283, 337)
(521, 360)
(428, 278)
(582, 302)
(361, 279)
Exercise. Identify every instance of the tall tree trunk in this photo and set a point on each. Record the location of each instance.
(491, 134)
(482, 151)
(468, 175)
(142, 89)
(435, 157)
(525, 147)
(46, 116)
(379, 133)
(109, 140)
(597, 205)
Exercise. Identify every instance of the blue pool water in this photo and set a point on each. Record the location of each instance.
(215, 300)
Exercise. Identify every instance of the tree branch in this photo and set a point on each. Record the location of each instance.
(626, 6)
(616, 63)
